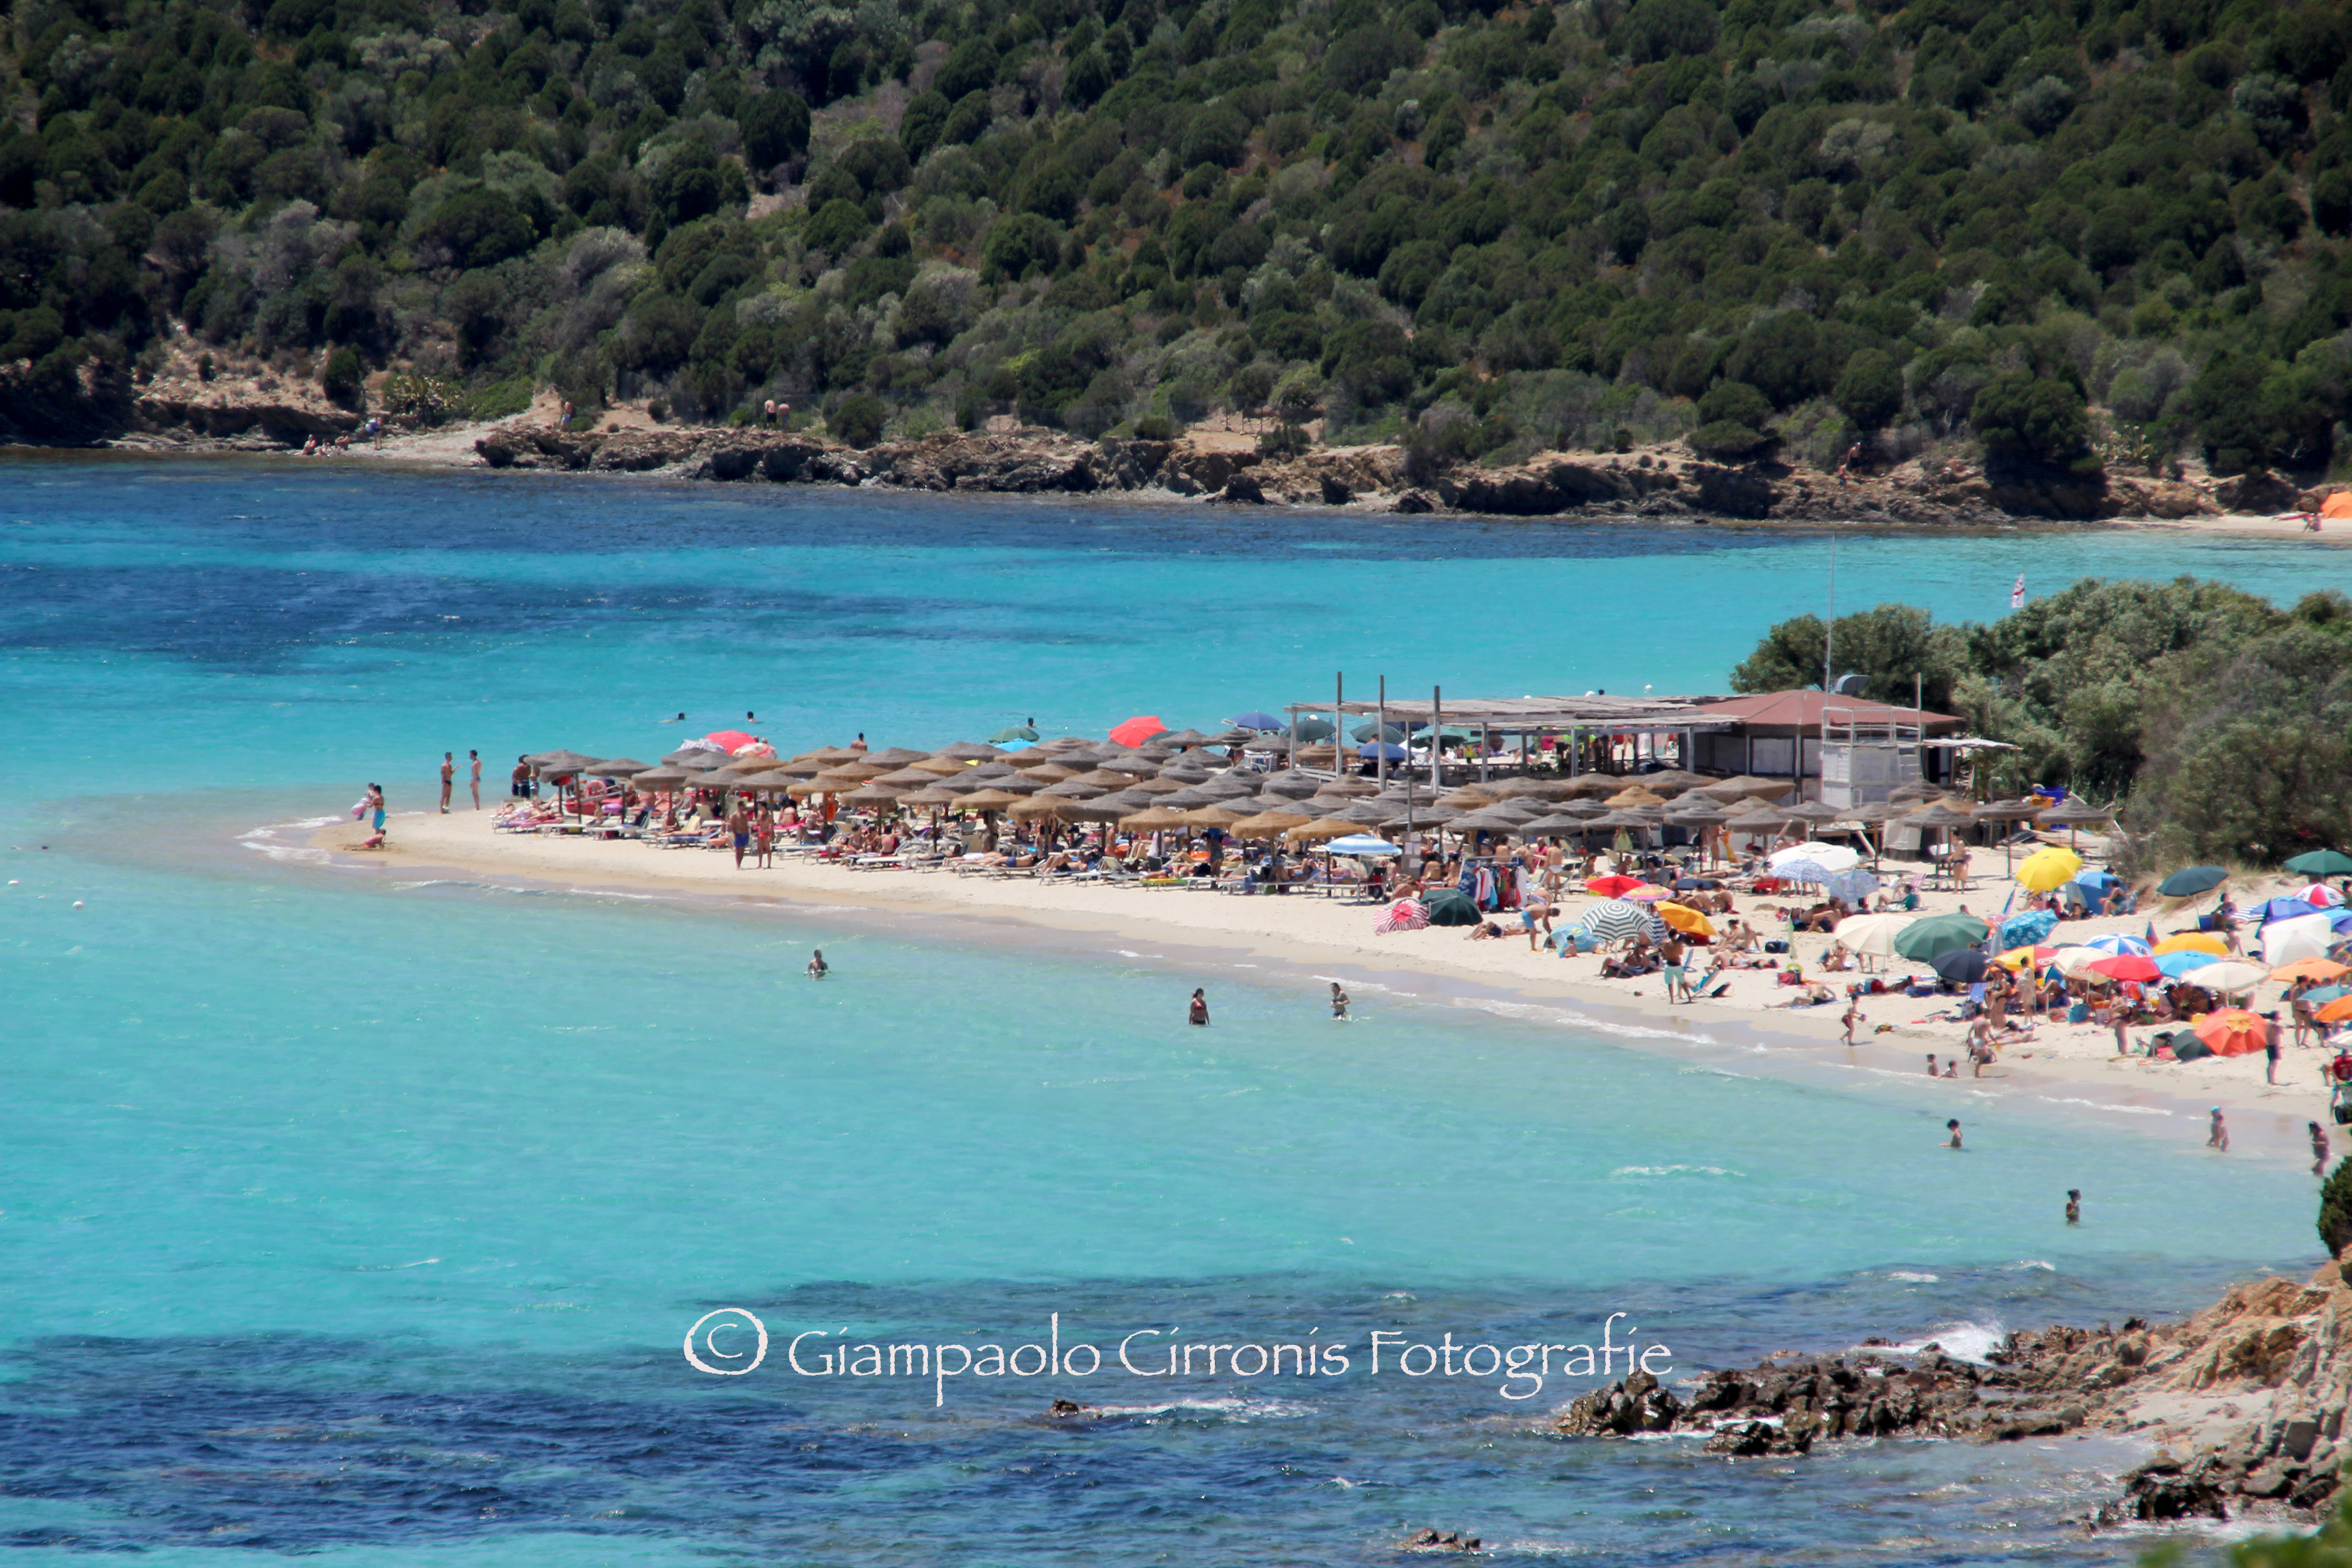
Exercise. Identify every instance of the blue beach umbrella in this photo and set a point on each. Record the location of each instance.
(1801, 870)
(2177, 964)
(1390, 751)
(2028, 929)
(1361, 844)
(2319, 994)
(2270, 910)
(1254, 720)
(1850, 885)
(2116, 944)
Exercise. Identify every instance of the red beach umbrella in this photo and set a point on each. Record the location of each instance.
(2127, 966)
(733, 740)
(1613, 887)
(1137, 730)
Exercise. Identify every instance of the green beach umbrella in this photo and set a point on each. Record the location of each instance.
(1924, 941)
(2192, 880)
(1017, 733)
(2322, 863)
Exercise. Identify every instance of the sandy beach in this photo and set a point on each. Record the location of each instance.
(1310, 935)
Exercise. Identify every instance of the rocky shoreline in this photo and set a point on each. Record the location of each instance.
(2246, 1401)
(1663, 484)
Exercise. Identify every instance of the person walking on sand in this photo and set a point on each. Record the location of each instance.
(1338, 1004)
(2217, 1134)
(1852, 1017)
(2074, 1205)
(1671, 957)
(1953, 1127)
(817, 967)
(474, 776)
(2318, 1150)
(448, 777)
(1198, 1014)
(739, 830)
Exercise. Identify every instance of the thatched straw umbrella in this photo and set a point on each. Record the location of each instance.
(896, 757)
(1592, 784)
(1747, 784)
(1268, 824)
(967, 752)
(1672, 781)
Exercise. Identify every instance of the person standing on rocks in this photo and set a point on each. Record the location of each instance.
(2217, 1135)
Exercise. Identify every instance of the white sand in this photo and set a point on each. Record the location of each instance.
(1310, 934)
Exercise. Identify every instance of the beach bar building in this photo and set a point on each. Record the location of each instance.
(1855, 750)
(1846, 751)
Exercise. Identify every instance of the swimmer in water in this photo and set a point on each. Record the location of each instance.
(2074, 1205)
(817, 967)
(1953, 1127)
(1338, 1004)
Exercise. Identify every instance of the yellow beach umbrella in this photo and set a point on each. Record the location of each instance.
(1684, 919)
(2047, 868)
(2191, 942)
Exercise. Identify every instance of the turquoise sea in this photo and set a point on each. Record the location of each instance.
(363, 1218)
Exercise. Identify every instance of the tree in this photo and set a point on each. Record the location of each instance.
(775, 126)
(479, 227)
(1893, 646)
(344, 378)
(1870, 392)
(1731, 423)
(2039, 419)
(858, 419)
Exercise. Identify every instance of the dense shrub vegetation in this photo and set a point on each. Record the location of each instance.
(1776, 224)
(2225, 722)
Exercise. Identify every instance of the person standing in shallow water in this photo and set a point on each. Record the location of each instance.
(1338, 1004)
(2074, 1205)
(1953, 1127)
(2318, 1150)
(2217, 1134)
(1199, 1011)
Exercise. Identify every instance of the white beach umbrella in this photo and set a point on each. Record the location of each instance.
(2304, 936)
(2229, 975)
(1829, 858)
(2073, 961)
(1872, 934)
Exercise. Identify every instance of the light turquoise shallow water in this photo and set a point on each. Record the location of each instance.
(363, 1219)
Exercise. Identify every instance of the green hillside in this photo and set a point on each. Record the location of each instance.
(1501, 230)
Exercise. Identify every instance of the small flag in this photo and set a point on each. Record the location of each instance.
(2017, 594)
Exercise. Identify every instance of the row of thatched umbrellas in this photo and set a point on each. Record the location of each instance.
(1170, 785)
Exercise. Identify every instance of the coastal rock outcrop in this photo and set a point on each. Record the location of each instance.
(1226, 468)
(2248, 1399)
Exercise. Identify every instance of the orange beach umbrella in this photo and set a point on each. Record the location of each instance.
(2232, 1032)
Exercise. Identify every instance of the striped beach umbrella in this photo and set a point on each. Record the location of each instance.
(1618, 920)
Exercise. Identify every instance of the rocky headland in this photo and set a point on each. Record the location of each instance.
(2245, 1401)
(1663, 483)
